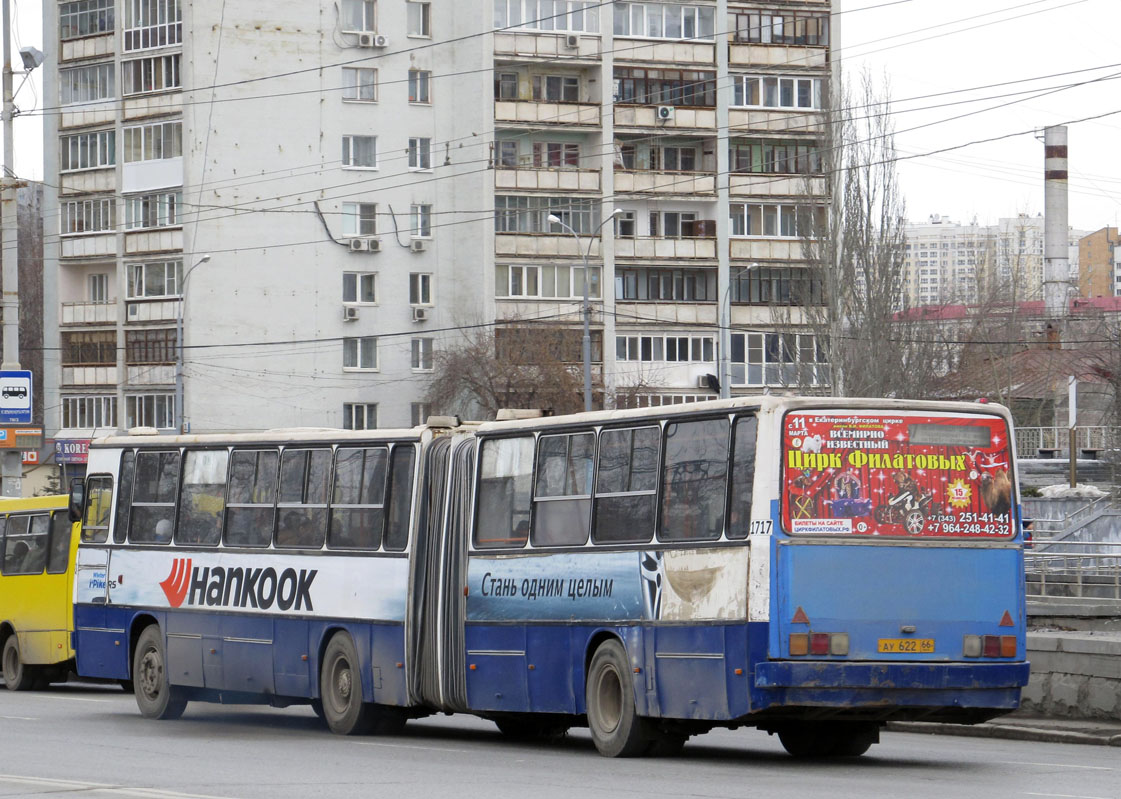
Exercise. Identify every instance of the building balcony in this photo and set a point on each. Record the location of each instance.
(88, 181)
(152, 311)
(777, 55)
(88, 313)
(763, 249)
(699, 53)
(89, 375)
(683, 118)
(157, 240)
(95, 246)
(662, 376)
(546, 179)
(656, 247)
(152, 374)
(559, 310)
(526, 112)
(544, 245)
(768, 185)
(88, 47)
(663, 312)
(745, 121)
(155, 104)
(629, 181)
(545, 45)
(85, 114)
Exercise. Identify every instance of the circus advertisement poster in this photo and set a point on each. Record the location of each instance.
(896, 475)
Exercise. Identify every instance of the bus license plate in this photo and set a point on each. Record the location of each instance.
(914, 646)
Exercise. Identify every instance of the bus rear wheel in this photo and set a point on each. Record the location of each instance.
(156, 697)
(340, 694)
(18, 676)
(825, 739)
(617, 730)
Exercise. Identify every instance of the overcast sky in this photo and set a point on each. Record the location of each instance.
(924, 47)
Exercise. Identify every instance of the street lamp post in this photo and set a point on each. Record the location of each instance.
(725, 334)
(587, 343)
(179, 343)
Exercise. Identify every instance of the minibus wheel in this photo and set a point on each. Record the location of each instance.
(18, 676)
(617, 730)
(156, 697)
(340, 688)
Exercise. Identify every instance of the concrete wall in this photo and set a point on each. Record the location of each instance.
(1075, 675)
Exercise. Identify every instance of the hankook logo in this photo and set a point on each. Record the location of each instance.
(238, 587)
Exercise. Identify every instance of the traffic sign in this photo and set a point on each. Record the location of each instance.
(15, 397)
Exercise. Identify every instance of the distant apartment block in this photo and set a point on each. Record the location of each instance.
(1099, 261)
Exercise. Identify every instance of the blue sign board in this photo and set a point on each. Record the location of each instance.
(15, 397)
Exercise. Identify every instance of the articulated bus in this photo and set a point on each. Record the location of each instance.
(36, 589)
(810, 567)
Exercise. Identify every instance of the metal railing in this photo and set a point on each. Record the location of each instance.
(1090, 570)
(1034, 442)
(1060, 528)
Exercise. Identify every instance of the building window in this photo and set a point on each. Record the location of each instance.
(776, 221)
(774, 156)
(359, 16)
(674, 224)
(665, 285)
(778, 359)
(506, 86)
(422, 354)
(556, 88)
(556, 154)
(664, 21)
(360, 84)
(777, 286)
(765, 92)
(150, 410)
(85, 18)
(506, 154)
(360, 287)
(86, 84)
(153, 210)
(154, 280)
(420, 153)
(360, 219)
(88, 216)
(558, 15)
(531, 282)
(360, 152)
(360, 353)
(97, 286)
(671, 349)
(95, 348)
(420, 288)
(152, 23)
(150, 346)
(420, 221)
(678, 87)
(419, 80)
(154, 74)
(154, 142)
(360, 416)
(679, 159)
(626, 225)
(89, 412)
(418, 18)
(783, 27)
(531, 214)
(88, 151)
(419, 412)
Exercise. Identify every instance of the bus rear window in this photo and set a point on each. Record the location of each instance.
(944, 475)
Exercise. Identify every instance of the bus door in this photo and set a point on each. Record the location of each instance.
(98, 644)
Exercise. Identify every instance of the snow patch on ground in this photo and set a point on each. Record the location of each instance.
(1066, 492)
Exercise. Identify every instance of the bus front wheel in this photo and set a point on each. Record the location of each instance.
(156, 697)
(340, 693)
(18, 676)
(617, 730)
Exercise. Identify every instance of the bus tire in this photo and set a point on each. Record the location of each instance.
(156, 697)
(617, 730)
(857, 739)
(530, 729)
(18, 676)
(340, 688)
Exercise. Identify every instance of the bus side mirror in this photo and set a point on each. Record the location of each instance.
(77, 498)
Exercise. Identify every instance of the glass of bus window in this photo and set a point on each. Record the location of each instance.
(25, 544)
(202, 504)
(505, 492)
(695, 475)
(124, 495)
(743, 475)
(400, 498)
(99, 501)
(563, 496)
(358, 498)
(627, 486)
(251, 505)
(15, 544)
(155, 483)
(39, 543)
(59, 557)
(302, 507)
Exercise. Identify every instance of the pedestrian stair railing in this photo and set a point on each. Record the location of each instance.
(1074, 569)
(1054, 442)
(1061, 528)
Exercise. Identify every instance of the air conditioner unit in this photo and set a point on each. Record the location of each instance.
(359, 245)
(420, 314)
(702, 381)
(418, 245)
(375, 245)
(350, 313)
(665, 113)
(373, 40)
(572, 41)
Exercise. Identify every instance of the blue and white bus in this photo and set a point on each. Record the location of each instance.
(810, 567)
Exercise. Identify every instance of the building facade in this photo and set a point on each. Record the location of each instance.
(371, 177)
(1099, 264)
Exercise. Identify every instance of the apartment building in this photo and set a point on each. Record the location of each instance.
(1099, 260)
(327, 194)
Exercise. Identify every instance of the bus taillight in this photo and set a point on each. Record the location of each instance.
(990, 646)
(819, 644)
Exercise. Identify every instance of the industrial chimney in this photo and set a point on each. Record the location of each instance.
(1056, 268)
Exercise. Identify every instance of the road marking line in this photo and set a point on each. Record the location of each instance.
(1054, 765)
(71, 698)
(406, 746)
(19, 718)
(101, 787)
(1067, 796)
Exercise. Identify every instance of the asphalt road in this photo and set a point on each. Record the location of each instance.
(91, 739)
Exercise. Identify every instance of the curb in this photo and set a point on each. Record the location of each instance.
(1006, 731)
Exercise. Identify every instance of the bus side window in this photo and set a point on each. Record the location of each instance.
(505, 492)
(302, 507)
(3, 527)
(59, 557)
(251, 509)
(202, 502)
(156, 482)
(694, 479)
(38, 542)
(99, 502)
(400, 498)
(562, 507)
(15, 544)
(627, 486)
(124, 495)
(743, 476)
(358, 498)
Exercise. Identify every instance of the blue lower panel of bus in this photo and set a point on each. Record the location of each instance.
(266, 656)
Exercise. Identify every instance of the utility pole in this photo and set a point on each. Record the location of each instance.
(12, 464)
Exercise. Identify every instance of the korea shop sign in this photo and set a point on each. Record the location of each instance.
(896, 475)
(71, 450)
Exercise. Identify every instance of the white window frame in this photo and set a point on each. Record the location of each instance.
(420, 220)
(92, 83)
(419, 412)
(137, 277)
(577, 16)
(355, 283)
(97, 287)
(549, 282)
(150, 410)
(164, 138)
(360, 219)
(148, 24)
(650, 349)
(420, 87)
(85, 18)
(88, 412)
(785, 220)
(636, 21)
(93, 150)
(418, 19)
(360, 85)
(151, 74)
(420, 153)
(353, 412)
(772, 371)
(422, 354)
(154, 210)
(348, 151)
(91, 215)
(420, 289)
(359, 350)
(769, 89)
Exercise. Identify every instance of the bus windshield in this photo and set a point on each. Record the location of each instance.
(881, 474)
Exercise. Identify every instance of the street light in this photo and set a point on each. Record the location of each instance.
(179, 342)
(725, 334)
(554, 219)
